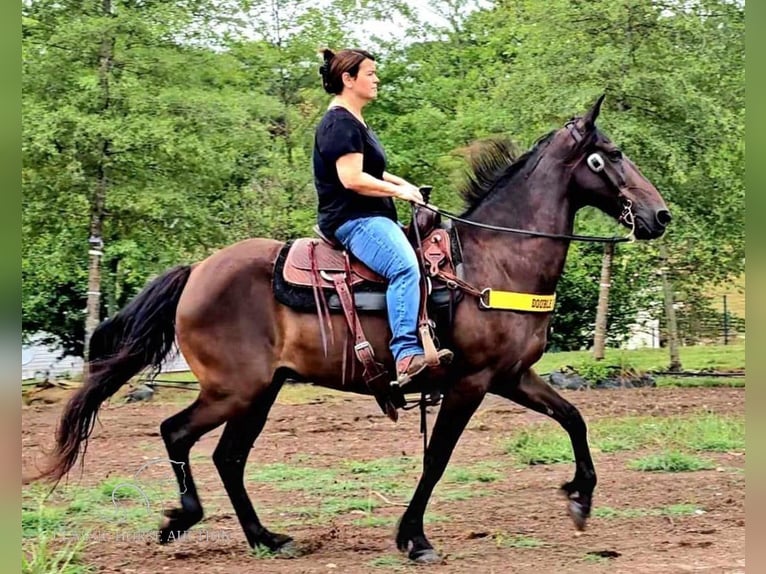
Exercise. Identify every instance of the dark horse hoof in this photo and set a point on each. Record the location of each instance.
(425, 556)
(578, 507)
(289, 548)
(578, 514)
(176, 524)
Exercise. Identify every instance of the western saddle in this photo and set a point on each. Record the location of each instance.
(324, 265)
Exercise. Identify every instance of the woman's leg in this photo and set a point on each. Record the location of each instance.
(380, 243)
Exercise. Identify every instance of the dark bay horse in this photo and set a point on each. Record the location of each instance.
(242, 345)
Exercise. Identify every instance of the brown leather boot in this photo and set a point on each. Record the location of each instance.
(410, 367)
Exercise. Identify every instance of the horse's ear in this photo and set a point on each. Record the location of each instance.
(589, 119)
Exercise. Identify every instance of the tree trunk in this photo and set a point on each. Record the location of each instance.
(98, 199)
(599, 340)
(670, 313)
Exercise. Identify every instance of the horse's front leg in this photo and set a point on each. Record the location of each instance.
(533, 392)
(459, 404)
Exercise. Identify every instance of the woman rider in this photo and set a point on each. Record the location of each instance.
(356, 205)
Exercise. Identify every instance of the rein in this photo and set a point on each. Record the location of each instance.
(596, 164)
(626, 216)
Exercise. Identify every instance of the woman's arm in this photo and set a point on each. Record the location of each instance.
(394, 178)
(352, 177)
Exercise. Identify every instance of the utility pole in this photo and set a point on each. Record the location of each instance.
(670, 312)
(599, 339)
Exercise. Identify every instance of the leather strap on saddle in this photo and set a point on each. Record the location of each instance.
(323, 309)
(374, 373)
(433, 253)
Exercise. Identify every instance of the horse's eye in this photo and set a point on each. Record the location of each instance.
(615, 154)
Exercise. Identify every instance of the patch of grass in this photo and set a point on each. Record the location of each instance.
(505, 540)
(699, 382)
(39, 556)
(703, 431)
(672, 510)
(42, 520)
(680, 510)
(383, 467)
(693, 358)
(548, 444)
(483, 472)
(672, 461)
(262, 553)
(303, 479)
(712, 433)
(344, 505)
(458, 494)
(389, 561)
(540, 444)
(375, 521)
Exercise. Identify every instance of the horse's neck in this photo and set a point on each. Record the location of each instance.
(516, 262)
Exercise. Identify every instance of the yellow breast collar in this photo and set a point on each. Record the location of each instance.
(512, 301)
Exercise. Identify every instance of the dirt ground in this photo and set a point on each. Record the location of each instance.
(522, 504)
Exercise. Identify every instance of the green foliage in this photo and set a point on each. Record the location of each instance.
(692, 382)
(672, 461)
(505, 540)
(621, 513)
(540, 445)
(715, 357)
(203, 134)
(546, 443)
(42, 551)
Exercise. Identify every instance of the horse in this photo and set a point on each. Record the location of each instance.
(242, 345)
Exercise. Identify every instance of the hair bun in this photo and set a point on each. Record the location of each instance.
(324, 69)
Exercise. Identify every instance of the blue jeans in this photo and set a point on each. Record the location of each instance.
(380, 243)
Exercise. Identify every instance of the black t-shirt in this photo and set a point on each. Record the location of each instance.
(340, 133)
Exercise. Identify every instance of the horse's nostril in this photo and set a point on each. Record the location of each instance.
(663, 217)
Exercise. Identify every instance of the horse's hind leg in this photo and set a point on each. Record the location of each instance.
(180, 432)
(534, 393)
(230, 457)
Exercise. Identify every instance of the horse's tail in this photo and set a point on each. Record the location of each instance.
(138, 336)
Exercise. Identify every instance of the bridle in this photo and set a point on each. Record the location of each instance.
(596, 163)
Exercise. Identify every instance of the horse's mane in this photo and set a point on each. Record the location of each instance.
(491, 161)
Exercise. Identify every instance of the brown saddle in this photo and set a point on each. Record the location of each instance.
(309, 257)
(323, 264)
(327, 260)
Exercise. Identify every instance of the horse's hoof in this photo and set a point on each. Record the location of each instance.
(425, 556)
(290, 549)
(578, 513)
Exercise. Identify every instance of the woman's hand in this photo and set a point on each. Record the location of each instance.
(409, 192)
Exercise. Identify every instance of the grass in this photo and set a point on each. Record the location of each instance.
(671, 461)
(42, 556)
(699, 382)
(540, 444)
(390, 562)
(672, 510)
(376, 521)
(505, 540)
(695, 358)
(547, 443)
(482, 472)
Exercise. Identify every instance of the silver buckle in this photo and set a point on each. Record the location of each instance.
(482, 304)
(327, 277)
(365, 344)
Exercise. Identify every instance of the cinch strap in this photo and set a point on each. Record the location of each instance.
(511, 301)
